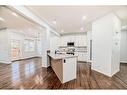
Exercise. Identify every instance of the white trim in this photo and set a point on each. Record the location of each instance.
(27, 13)
(123, 61)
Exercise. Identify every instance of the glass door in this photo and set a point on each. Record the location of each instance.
(15, 49)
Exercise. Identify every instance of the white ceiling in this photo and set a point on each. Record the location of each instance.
(14, 21)
(69, 18)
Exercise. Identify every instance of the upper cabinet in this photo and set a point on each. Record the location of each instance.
(79, 40)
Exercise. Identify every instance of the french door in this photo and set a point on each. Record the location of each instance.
(15, 49)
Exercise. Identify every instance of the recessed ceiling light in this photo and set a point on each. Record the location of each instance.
(14, 14)
(84, 18)
(2, 19)
(62, 30)
(54, 22)
(81, 29)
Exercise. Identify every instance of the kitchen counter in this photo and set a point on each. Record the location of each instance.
(64, 66)
(61, 56)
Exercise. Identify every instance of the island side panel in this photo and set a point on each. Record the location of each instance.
(58, 68)
(69, 69)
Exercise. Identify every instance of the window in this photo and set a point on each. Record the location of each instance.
(29, 45)
(15, 48)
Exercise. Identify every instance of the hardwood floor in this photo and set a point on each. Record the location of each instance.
(28, 74)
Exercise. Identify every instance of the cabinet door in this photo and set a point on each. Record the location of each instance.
(72, 38)
(69, 69)
(82, 40)
(84, 56)
(76, 40)
(64, 41)
(61, 41)
(79, 56)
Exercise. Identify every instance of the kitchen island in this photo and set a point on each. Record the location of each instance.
(64, 66)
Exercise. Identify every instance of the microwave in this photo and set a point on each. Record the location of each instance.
(70, 43)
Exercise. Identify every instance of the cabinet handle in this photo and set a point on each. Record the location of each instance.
(64, 61)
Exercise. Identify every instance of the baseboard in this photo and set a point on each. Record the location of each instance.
(5, 62)
(82, 61)
(115, 72)
(100, 71)
(25, 58)
(45, 66)
(123, 61)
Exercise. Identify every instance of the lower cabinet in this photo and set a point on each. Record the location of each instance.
(65, 68)
(82, 56)
(69, 69)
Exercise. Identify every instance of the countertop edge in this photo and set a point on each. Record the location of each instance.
(51, 55)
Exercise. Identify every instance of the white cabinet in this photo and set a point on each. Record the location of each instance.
(76, 40)
(82, 56)
(69, 38)
(72, 38)
(69, 69)
(64, 68)
(64, 41)
(79, 40)
(83, 40)
(54, 42)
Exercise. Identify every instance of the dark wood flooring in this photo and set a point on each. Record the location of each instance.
(28, 74)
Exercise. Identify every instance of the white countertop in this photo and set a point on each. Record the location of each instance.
(61, 56)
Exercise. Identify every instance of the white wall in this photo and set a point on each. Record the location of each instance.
(78, 39)
(45, 44)
(6, 36)
(89, 37)
(123, 49)
(54, 42)
(45, 40)
(115, 67)
(4, 52)
(21, 37)
(105, 51)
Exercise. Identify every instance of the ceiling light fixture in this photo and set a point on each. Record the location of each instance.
(14, 14)
(54, 22)
(2, 19)
(62, 30)
(84, 18)
(81, 28)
